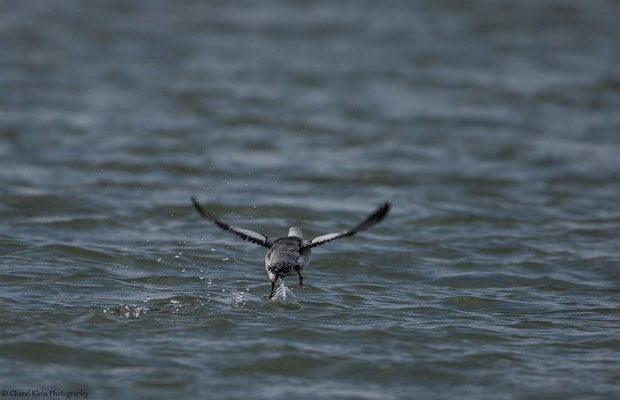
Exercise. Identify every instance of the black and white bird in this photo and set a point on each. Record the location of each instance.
(291, 252)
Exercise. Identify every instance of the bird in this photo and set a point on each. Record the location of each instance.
(291, 252)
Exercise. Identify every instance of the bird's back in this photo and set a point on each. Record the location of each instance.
(285, 251)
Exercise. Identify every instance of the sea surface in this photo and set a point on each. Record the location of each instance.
(493, 127)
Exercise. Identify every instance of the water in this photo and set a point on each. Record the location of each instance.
(493, 127)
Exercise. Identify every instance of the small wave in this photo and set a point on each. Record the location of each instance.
(482, 280)
(503, 280)
(60, 354)
(72, 252)
(474, 303)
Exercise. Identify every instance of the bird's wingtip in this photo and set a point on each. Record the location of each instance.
(385, 207)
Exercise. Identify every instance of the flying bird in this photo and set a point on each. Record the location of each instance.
(291, 252)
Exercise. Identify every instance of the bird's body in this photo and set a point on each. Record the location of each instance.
(291, 253)
(287, 254)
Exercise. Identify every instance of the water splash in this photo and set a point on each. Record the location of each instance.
(129, 311)
(238, 299)
(284, 295)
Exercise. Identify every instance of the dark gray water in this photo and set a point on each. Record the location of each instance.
(493, 127)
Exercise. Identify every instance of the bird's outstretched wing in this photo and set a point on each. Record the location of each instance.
(245, 234)
(374, 218)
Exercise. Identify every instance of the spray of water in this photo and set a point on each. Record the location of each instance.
(284, 295)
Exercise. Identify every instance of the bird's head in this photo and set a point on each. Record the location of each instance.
(295, 231)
